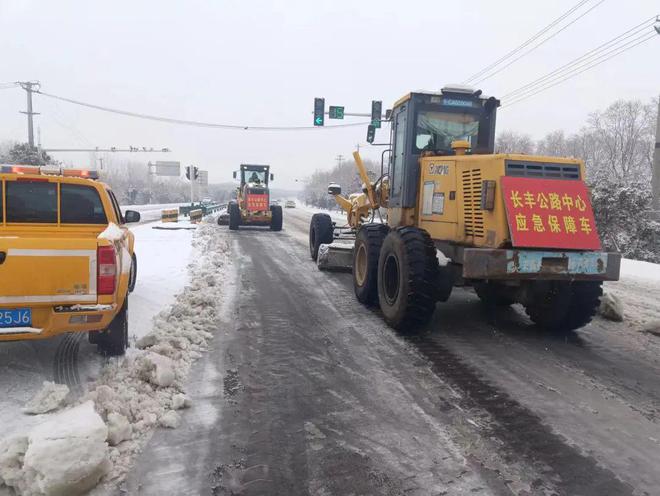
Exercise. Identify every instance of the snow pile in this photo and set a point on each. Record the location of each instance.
(611, 307)
(50, 397)
(65, 455)
(112, 233)
(443, 260)
(146, 389)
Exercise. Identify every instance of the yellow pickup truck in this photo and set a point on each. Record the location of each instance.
(67, 262)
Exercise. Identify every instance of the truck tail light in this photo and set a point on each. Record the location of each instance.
(107, 272)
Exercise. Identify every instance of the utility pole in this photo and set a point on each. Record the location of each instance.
(339, 158)
(27, 86)
(656, 168)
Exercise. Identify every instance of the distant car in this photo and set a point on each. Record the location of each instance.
(290, 204)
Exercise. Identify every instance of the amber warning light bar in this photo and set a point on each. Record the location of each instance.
(48, 170)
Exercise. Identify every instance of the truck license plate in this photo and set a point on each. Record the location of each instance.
(16, 317)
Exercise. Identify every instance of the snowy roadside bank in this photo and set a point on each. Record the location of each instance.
(132, 396)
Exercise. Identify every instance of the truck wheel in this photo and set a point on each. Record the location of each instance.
(492, 294)
(321, 231)
(132, 277)
(276, 218)
(563, 306)
(408, 271)
(234, 216)
(368, 242)
(114, 340)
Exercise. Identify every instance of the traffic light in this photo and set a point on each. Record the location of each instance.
(319, 111)
(376, 113)
(371, 133)
(188, 172)
(196, 170)
(336, 112)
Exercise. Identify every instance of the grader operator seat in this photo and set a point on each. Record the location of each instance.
(427, 124)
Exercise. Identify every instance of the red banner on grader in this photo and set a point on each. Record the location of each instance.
(549, 213)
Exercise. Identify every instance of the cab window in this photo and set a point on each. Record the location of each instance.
(115, 207)
(81, 205)
(31, 201)
(435, 131)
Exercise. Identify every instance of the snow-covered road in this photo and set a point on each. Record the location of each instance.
(307, 392)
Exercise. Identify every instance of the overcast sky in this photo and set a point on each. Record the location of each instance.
(262, 63)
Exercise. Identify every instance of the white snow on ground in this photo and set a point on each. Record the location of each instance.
(65, 455)
(638, 290)
(50, 397)
(639, 269)
(162, 272)
(145, 389)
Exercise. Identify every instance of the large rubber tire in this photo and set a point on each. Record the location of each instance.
(492, 294)
(276, 218)
(234, 216)
(560, 306)
(132, 277)
(366, 251)
(114, 340)
(321, 231)
(408, 272)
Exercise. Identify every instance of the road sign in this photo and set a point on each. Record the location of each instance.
(371, 133)
(376, 113)
(336, 112)
(203, 178)
(319, 111)
(168, 169)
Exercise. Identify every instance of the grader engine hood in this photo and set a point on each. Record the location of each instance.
(549, 213)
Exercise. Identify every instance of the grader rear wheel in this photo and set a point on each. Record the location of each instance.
(408, 272)
(560, 306)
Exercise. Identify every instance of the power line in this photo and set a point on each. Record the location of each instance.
(196, 123)
(527, 42)
(542, 42)
(588, 55)
(573, 74)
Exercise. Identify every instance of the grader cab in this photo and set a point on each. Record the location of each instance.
(252, 205)
(517, 228)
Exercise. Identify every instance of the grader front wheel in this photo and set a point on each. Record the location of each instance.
(321, 231)
(368, 243)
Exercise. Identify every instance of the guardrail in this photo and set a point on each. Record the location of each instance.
(169, 215)
(206, 209)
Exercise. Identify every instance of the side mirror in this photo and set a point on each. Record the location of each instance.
(334, 189)
(131, 216)
(272, 177)
(234, 174)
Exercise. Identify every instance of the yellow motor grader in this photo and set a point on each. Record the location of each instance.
(252, 205)
(518, 228)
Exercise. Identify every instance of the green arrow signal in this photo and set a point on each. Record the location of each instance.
(318, 121)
